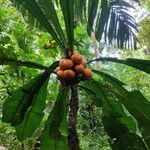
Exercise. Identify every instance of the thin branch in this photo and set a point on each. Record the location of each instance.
(8, 61)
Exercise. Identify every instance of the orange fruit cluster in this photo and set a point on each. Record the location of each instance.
(73, 67)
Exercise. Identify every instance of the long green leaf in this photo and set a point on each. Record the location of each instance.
(36, 11)
(15, 107)
(79, 10)
(116, 122)
(109, 104)
(67, 7)
(103, 19)
(34, 115)
(137, 105)
(8, 61)
(123, 138)
(92, 11)
(143, 65)
(53, 136)
(95, 97)
(50, 12)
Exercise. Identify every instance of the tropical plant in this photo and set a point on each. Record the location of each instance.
(123, 111)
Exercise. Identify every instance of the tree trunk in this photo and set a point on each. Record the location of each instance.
(72, 120)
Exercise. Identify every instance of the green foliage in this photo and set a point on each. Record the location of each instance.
(144, 33)
(133, 101)
(34, 115)
(68, 13)
(27, 104)
(55, 132)
(124, 113)
(116, 122)
(140, 64)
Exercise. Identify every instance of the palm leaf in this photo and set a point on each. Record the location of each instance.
(114, 23)
(53, 137)
(143, 65)
(16, 106)
(67, 7)
(132, 101)
(117, 123)
(34, 115)
(92, 12)
(50, 11)
(35, 10)
(11, 62)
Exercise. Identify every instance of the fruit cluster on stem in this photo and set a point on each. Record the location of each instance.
(72, 68)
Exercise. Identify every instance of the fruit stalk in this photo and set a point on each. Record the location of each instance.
(72, 119)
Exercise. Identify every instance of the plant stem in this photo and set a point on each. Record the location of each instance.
(72, 120)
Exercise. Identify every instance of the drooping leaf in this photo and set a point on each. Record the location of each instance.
(9, 61)
(123, 139)
(102, 20)
(92, 11)
(107, 99)
(67, 7)
(96, 99)
(50, 12)
(140, 64)
(34, 115)
(53, 136)
(15, 107)
(115, 24)
(137, 105)
(35, 10)
(79, 10)
(116, 122)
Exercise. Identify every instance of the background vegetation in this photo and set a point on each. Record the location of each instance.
(19, 40)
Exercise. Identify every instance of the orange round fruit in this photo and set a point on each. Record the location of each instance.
(79, 68)
(66, 63)
(76, 58)
(57, 69)
(87, 73)
(69, 74)
(60, 74)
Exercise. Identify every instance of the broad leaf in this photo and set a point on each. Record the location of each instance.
(143, 65)
(15, 107)
(54, 135)
(109, 103)
(116, 122)
(34, 115)
(123, 139)
(135, 103)
(95, 97)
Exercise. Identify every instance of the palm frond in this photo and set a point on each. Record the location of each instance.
(37, 11)
(111, 21)
(114, 24)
